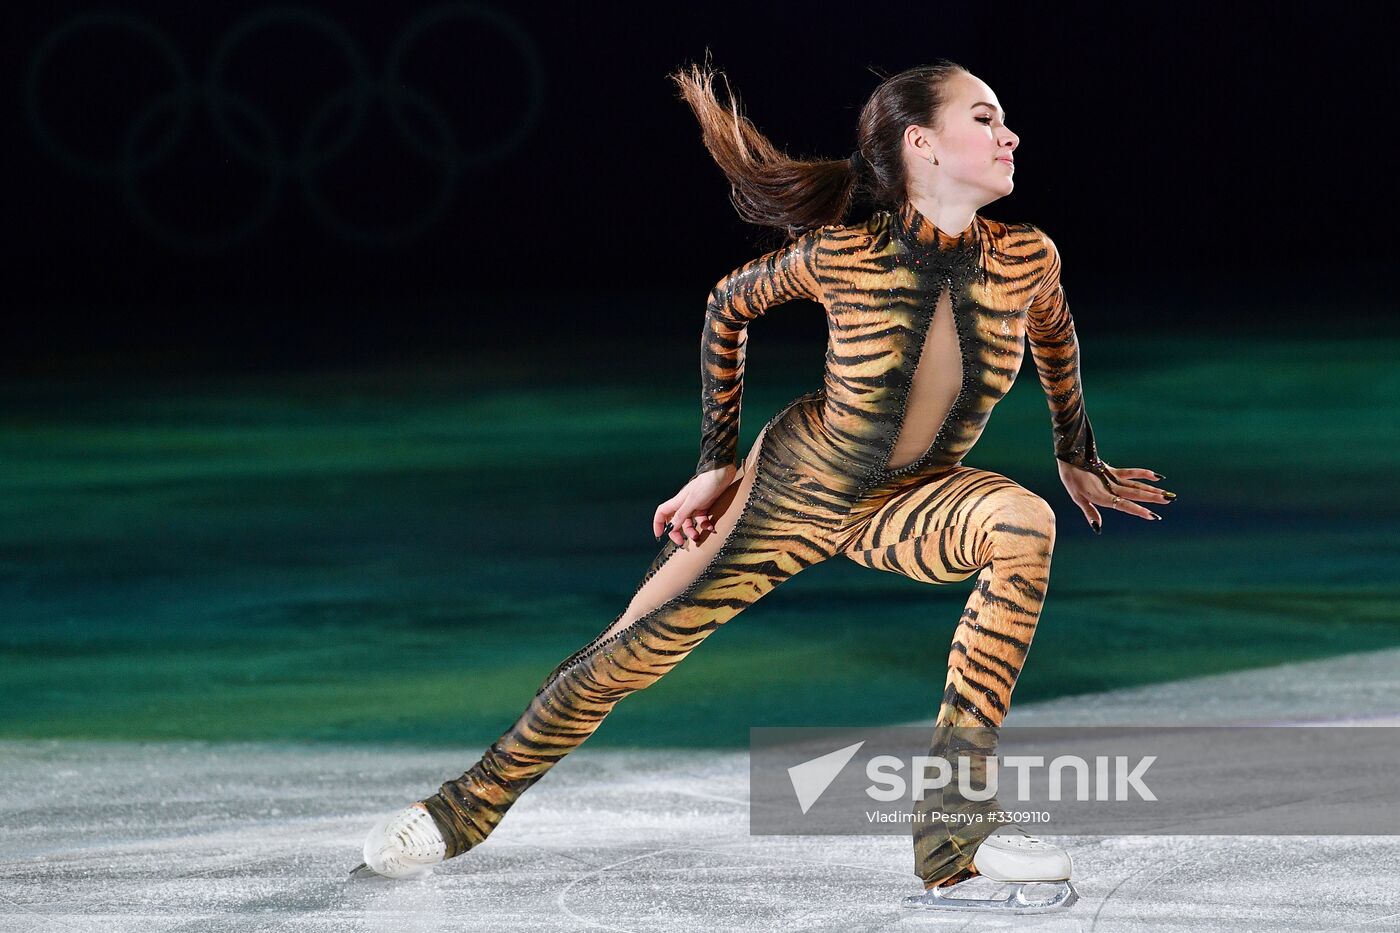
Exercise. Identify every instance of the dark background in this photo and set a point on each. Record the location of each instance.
(358, 445)
(1172, 150)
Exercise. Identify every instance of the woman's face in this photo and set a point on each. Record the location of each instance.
(973, 146)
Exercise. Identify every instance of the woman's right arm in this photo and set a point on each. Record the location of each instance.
(740, 297)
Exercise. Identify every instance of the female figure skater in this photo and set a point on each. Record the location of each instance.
(928, 307)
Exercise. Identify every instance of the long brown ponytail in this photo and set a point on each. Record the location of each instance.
(771, 189)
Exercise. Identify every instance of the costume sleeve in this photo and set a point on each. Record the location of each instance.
(740, 297)
(1055, 349)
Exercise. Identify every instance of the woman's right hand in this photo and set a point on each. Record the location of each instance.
(685, 516)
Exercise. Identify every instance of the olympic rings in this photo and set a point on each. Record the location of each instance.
(255, 140)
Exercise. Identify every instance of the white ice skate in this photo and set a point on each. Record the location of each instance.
(1013, 856)
(405, 844)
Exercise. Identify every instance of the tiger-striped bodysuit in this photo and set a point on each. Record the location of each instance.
(926, 334)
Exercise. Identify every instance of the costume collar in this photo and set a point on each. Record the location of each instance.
(918, 229)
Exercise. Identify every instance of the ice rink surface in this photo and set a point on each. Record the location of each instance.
(157, 837)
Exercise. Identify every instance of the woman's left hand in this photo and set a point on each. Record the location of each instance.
(1118, 489)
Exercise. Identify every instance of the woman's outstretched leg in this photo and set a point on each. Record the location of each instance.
(964, 522)
(762, 537)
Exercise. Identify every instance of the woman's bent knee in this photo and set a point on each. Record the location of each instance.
(1020, 517)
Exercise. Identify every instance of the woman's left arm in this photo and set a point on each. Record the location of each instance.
(1055, 348)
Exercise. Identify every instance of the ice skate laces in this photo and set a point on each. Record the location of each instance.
(1017, 838)
(405, 844)
(418, 837)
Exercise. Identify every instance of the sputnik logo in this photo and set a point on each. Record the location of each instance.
(810, 779)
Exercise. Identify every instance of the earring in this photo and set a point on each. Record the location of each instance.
(933, 160)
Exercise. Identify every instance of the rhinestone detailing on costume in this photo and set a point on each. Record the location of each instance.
(880, 284)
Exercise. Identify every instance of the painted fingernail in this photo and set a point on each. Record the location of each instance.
(1095, 526)
(1156, 475)
(1169, 495)
(1155, 516)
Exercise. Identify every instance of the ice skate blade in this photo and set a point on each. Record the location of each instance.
(363, 872)
(1014, 903)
